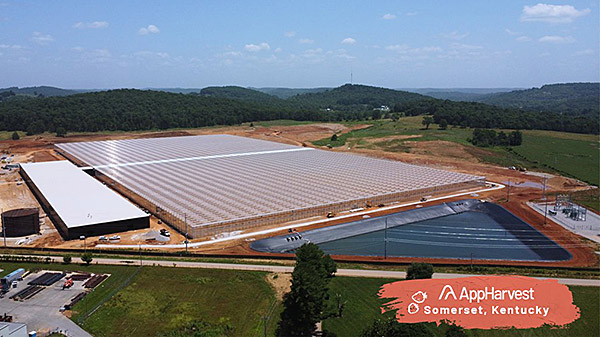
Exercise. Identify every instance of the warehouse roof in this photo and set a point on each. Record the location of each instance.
(218, 178)
(78, 198)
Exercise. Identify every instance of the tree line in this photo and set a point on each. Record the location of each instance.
(129, 110)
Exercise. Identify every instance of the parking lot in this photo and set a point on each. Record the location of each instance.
(41, 311)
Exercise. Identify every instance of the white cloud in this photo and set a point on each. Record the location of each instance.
(411, 13)
(348, 40)
(151, 54)
(405, 49)
(11, 46)
(388, 16)
(465, 46)
(306, 41)
(278, 50)
(78, 49)
(257, 47)
(93, 25)
(552, 13)
(41, 38)
(454, 35)
(556, 39)
(510, 32)
(584, 52)
(290, 34)
(523, 38)
(151, 29)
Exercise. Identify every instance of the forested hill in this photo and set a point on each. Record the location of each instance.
(130, 109)
(355, 97)
(239, 93)
(42, 91)
(289, 92)
(574, 99)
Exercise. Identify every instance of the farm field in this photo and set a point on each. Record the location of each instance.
(362, 308)
(163, 299)
(574, 155)
(158, 299)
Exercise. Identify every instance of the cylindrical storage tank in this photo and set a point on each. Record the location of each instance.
(21, 222)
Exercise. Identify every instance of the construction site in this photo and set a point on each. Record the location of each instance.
(221, 191)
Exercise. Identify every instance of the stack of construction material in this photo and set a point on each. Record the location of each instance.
(47, 279)
(75, 299)
(80, 277)
(95, 281)
(27, 293)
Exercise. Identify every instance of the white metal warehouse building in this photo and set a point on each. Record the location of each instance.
(79, 204)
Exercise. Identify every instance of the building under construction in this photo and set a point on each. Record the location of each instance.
(207, 185)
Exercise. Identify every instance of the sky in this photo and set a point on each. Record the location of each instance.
(395, 44)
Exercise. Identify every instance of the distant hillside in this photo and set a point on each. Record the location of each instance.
(574, 99)
(240, 93)
(43, 91)
(289, 92)
(354, 96)
(459, 94)
(129, 109)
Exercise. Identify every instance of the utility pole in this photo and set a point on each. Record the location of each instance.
(545, 203)
(3, 227)
(140, 249)
(471, 261)
(385, 239)
(186, 232)
(508, 192)
(265, 319)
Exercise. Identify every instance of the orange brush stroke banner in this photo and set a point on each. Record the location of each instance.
(482, 302)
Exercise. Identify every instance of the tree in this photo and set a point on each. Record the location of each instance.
(15, 136)
(419, 271)
(515, 138)
(391, 328)
(61, 132)
(376, 114)
(36, 127)
(87, 258)
(67, 259)
(502, 139)
(426, 121)
(455, 331)
(443, 124)
(334, 137)
(304, 305)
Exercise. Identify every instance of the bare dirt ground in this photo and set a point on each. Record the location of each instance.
(280, 282)
(438, 154)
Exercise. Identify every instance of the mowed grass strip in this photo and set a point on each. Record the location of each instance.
(363, 307)
(162, 299)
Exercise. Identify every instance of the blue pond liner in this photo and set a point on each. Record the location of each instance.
(459, 230)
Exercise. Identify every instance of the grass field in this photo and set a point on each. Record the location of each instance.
(6, 135)
(159, 299)
(574, 155)
(362, 308)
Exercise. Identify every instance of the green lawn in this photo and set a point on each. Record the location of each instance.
(362, 308)
(578, 156)
(6, 135)
(160, 298)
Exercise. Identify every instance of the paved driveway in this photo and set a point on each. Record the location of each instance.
(40, 312)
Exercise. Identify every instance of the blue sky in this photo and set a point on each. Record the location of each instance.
(396, 44)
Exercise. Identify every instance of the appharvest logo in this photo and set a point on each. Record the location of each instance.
(483, 302)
